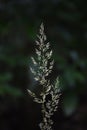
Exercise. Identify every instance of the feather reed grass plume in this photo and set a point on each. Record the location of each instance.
(44, 64)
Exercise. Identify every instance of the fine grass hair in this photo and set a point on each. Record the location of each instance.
(44, 65)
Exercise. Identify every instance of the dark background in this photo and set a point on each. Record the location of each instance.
(66, 28)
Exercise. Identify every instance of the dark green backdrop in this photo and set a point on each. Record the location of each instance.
(66, 28)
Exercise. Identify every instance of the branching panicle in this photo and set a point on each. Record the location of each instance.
(44, 67)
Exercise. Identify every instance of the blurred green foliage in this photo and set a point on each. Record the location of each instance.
(66, 27)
